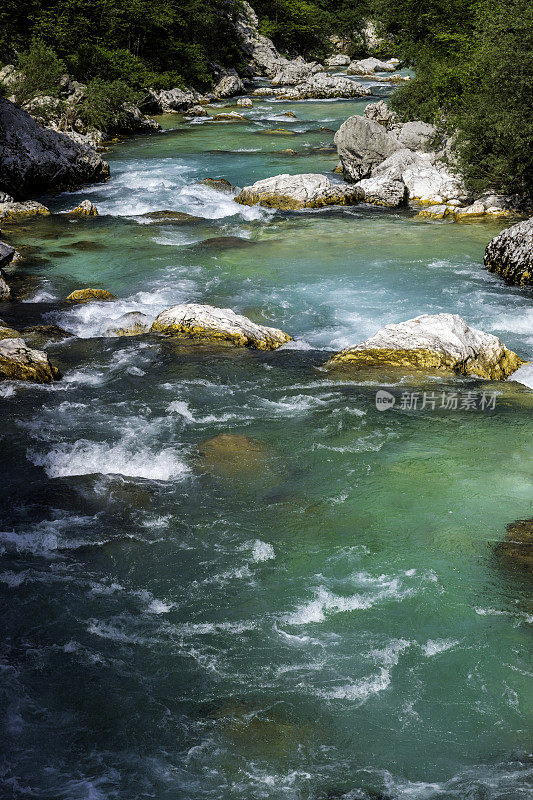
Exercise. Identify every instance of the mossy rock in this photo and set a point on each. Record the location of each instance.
(220, 184)
(425, 360)
(21, 212)
(279, 132)
(89, 295)
(9, 333)
(234, 455)
(516, 551)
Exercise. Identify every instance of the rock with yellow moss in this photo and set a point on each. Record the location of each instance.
(85, 209)
(22, 363)
(293, 192)
(209, 325)
(510, 254)
(432, 342)
(88, 295)
(20, 212)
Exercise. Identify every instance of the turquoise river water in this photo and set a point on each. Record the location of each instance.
(321, 617)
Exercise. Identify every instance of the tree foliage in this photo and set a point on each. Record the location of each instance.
(474, 74)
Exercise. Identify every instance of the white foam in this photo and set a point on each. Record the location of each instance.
(182, 408)
(523, 375)
(360, 690)
(434, 646)
(87, 458)
(262, 551)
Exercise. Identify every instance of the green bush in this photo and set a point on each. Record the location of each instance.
(103, 106)
(41, 72)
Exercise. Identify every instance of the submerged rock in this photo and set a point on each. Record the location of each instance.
(208, 324)
(43, 333)
(36, 160)
(293, 192)
(171, 216)
(279, 132)
(433, 342)
(230, 116)
(510, 254)
(132, 323)
(221, 184)
(88, 295)
(233, 455)
(85, 209)
(20, 212)
(516, 551)
(22, 363)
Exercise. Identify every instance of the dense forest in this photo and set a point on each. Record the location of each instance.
(472, 60)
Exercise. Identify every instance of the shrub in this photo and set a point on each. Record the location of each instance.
(41, 72)
(103, 106)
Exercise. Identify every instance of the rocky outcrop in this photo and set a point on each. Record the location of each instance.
(380, 112)
(432, 342)
(296, 72)
(323, 86)
(22, 363)
(337, 61)
(262, 56)
(376, 146)
(382, 191)
(132, 323)
(368, 65)
(164, 101)
(510, 254)
(34, 160)
(207, 324)
(7, 254)
(292, 192)
(20, 212)
(228, 86)
(362, 144)
(89, 295)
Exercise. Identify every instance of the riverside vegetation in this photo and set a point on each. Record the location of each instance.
(228, 572)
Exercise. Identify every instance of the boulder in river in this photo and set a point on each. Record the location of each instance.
(20, 212)
(362, 144)
(366, 66)
(292, 192)
(207, 324)
(337, 61)
(85, 209)
(7, 253)
(245, 102)
(132, 323)
(429, 180)
(36, 160)
(323, 86)
(228, 86)
(233, 455)
(220, 184)
(382, 191)
(510, 254)
(229, 116)
(433, 342)
(88, 295)
(22, 363)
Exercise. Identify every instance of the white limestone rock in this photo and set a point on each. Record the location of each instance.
(208, 324)
(20, 362)
(510, 254)
(292, 192)
(433, 341)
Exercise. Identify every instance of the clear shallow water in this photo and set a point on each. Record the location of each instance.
(328, 620)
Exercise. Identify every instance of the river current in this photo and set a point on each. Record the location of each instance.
(323, 617)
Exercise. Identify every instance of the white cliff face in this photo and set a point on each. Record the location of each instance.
(209, 324)
(434, 341)
(308, 190)
(263, 57)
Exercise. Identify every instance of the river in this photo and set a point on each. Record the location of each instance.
(323, 615)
